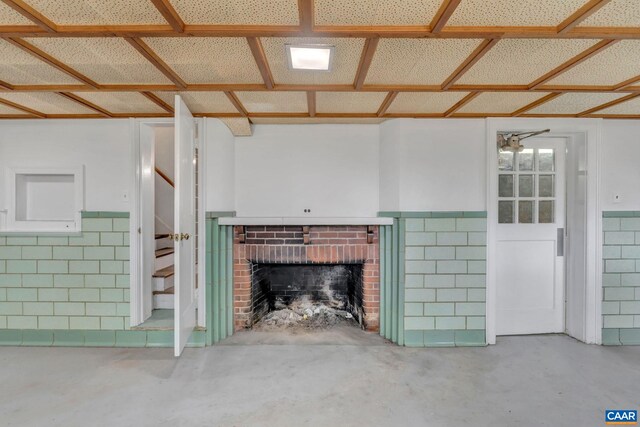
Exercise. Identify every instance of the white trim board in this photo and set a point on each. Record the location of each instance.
(591, 130)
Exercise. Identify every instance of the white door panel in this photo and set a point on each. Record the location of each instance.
(530, 267)
(185, 222)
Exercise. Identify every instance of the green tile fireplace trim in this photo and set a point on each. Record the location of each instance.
(220, 214)
(72, 282)
(392, 281)
(94, 338)
(444, 278)
(621, 278)
(219, 271)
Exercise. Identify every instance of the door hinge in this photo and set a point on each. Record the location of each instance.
(196, 130)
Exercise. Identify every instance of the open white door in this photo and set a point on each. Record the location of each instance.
(530, 239)
(185, 225)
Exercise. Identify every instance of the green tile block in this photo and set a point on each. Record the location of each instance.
(413, 309)
(620, 266)
(55, 267)
(16, 266)
(477, 267)
(53, 295)
(37, 308)
(10, 252)
(465, 338)
(8, 280)
(37, 252)
(84, 267)
(619, 294)
(612, 252)
(69, 309)
(419, 295)
(68, 338)
(478, 214)
(449, 322)
(471, 224)
(101, 309)
(22, 241)
(52, 241)
(630, 336)
(439, 252)
(413, 338)
(113, 267)
(37, 280)
(420, 267)
(99, 338)
(131, 338)
(630, 252)
(84, 295)
(97, 224)
(37, 338)
(451, 267)
(99, 253)
(618, 214)
(439, 338)
(629, 307)
(630, 224)
(3, 322)
(619, 238)
(122, 253)
(477, 239)
(611, 224)
(407, 214)
(475, 322)
(618, 321)
(439, 309)
(451, 239)
(160, 339)
(111, 239)
(3, 294)
(3, 266)
(10, 337)
(22, 322)
(453, 214)
(611, 279)
(470, 308)
(122, 309)
(418, 323)
(122, 281)
(121, 224)
(100, 280)
(10, 308)
(111, 322)
(87, 239)
(414, 281)
(68, 280)
(439, 281)
(471, 252)
(111, 295)
(84, 323)
(451, 295)
(610, 307)
(414, 224)
(53, 322)
(440, 224)
(68, 252)
(414, 253)
(476, 295)
(87, 214)
(22, 294)
(420, 239)
(629, 279)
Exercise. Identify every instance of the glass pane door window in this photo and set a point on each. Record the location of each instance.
(526, 186)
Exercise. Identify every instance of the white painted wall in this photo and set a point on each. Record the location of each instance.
(441, 165)
(164, 149)
(620, 165)
(330, 169)
(220, 166)
(102, 146)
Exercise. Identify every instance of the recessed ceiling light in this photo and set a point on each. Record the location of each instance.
(316, 57)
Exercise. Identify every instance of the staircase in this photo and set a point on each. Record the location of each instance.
(164, 273)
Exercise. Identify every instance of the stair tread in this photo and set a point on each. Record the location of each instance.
(165, 292)
(165, 272)
(162, 236)
(163, 252)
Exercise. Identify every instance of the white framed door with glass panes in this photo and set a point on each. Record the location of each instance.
(530, 238)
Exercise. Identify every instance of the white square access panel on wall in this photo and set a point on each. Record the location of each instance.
(44, 200)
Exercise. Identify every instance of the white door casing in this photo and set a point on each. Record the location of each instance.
(530, 239)
(185, 302)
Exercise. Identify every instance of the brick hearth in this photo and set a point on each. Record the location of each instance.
(286, 245)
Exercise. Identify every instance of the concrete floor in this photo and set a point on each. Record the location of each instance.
(364, 381)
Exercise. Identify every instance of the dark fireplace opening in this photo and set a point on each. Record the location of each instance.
(338, 287)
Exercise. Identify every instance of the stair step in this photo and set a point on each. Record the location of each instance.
(163, 301)
(162, 236)
(164, 252)
(169, 291)
(165, 272)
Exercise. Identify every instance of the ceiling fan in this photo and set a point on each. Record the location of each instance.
(510, 141)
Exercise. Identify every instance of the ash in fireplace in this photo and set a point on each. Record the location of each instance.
(304, 314)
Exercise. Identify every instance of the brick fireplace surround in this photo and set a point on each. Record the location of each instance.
(326, 245)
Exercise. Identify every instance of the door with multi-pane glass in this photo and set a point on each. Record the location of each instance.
(530, 238)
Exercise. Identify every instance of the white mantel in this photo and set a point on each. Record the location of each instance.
(305, 221)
